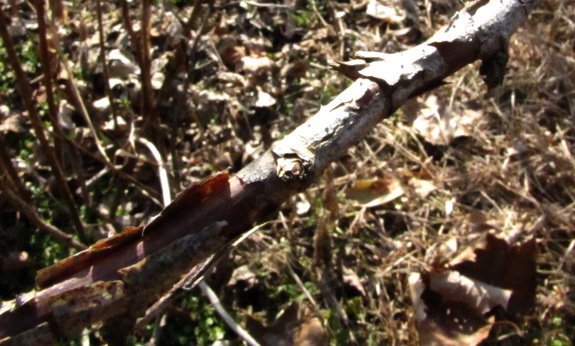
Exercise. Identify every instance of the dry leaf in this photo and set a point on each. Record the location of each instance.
(445, 322)
(502, 265)
(255, 64)
(451, 303)
(11, 121)
(374, 193)
(422, 187)
(389, 10)
(439, 127)
(351, 279)
(232, 56)
(243, 274)
(264, 99)
(296, 326)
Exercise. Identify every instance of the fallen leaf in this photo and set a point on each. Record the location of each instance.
(445, 322)
(296, 326)
(243, 275)
(374, 193)
(232, 57)
(422, 187)
(255, 64)
(389, 10)
(452, 302)
(351, 279)
(264, 99)
(511, 267)
(439, 127)
(10, 121)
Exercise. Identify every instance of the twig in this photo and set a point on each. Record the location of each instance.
(25, 91)
(318, 15)
(269, 5)
(213, 298)
(60, 236)
(61, 142)
(162, 171)
(213, 213)
(340, 29)
(302, 287)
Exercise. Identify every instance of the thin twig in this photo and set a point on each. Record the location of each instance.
(213, 298)
(162, 171)
(318, 15)
(60, 236)
(129, 28)
(61, 142)
(269, 5)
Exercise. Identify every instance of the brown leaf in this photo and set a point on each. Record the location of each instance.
(296, 326)
(439, 127)
(441, 321)
(502, 265)
(11, 121)
(451, 303)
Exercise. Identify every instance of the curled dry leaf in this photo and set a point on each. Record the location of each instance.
(375, 193)
(497, 263)
(452, 303)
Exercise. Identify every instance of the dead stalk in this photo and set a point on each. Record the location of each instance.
(105, 68)
(47, 60)
(25, 91)
(11, 174)
(129, 28)
(151, 120)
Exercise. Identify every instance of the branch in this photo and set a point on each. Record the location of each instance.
(112, 278)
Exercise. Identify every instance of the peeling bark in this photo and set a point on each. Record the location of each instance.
(124, 275)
